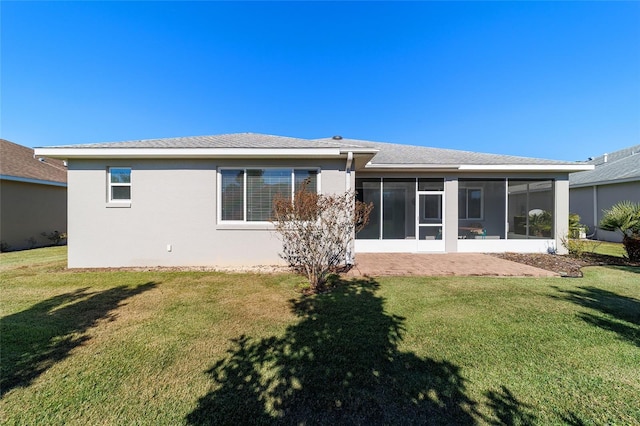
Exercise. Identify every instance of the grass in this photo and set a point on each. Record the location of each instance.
(609, 249)
(116, 347)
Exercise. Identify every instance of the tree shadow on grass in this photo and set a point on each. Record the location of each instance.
(622, 313)
(625, 268)
(508, 410)
(339, 365)
(35, 339)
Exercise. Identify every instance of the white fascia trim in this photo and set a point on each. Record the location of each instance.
(370, 166)
(187, 152)
(30, 180)
(527, 167)
(359, 150)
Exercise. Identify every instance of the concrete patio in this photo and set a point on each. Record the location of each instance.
(446, 264)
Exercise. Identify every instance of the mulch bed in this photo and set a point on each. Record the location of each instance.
(567, 265)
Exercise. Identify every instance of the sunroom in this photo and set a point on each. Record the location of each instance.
(458, 214)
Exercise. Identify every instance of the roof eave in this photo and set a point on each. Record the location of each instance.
(484, 167)
(406, 167)
(156, 153)
(569, 168)
(604, 182)
(33, 180)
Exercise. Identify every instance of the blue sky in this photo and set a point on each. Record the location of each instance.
(554, 80)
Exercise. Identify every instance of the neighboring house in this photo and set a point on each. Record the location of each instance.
(33, 197)
(616, 178)
(207, 200)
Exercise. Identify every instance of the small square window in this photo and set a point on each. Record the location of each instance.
(119, 184)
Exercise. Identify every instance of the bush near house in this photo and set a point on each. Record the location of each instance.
(317, 231)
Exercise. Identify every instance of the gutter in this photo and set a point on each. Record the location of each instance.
(32, 180)
(484, 167)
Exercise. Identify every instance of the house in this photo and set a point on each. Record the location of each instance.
(207, 200)
(615, 178)
(33, 197)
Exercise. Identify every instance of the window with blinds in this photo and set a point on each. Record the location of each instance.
(247, 194)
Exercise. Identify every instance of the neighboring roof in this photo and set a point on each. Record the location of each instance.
(617, 167)
(18, 163)
(380, 155)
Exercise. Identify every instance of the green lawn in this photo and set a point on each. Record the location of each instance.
(85, 347)
(610, 249)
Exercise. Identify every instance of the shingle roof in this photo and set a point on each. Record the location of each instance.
(18, 161)
(389, 153)
(232, 140)
(621, 166)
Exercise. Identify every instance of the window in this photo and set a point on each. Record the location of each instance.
(470, 203)
(247, 194)
(119, 184)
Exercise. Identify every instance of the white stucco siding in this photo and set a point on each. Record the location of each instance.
(561, 216)
(172, 219)
(581, 203)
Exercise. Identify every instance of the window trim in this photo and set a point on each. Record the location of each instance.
(118, 201)
(244, 220)
(466, 213)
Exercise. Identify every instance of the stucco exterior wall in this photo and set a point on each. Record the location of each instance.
(561, 216)
(587, 201)
(27, 210)
(581, 203)
(172, 219)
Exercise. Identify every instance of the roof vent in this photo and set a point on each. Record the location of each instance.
(40, 159)
(337, 138)
(606, 157)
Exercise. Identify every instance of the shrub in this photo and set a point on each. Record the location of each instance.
(578, 246)
(575, 227)
(625, 218)
(317, 231)
(55, 237)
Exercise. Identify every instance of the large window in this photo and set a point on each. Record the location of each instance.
(247, 194)
(119, 184)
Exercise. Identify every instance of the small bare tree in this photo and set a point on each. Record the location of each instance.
(317, 231)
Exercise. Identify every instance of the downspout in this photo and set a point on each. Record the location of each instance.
(349, 255)
(348, 170)
(595, 211)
